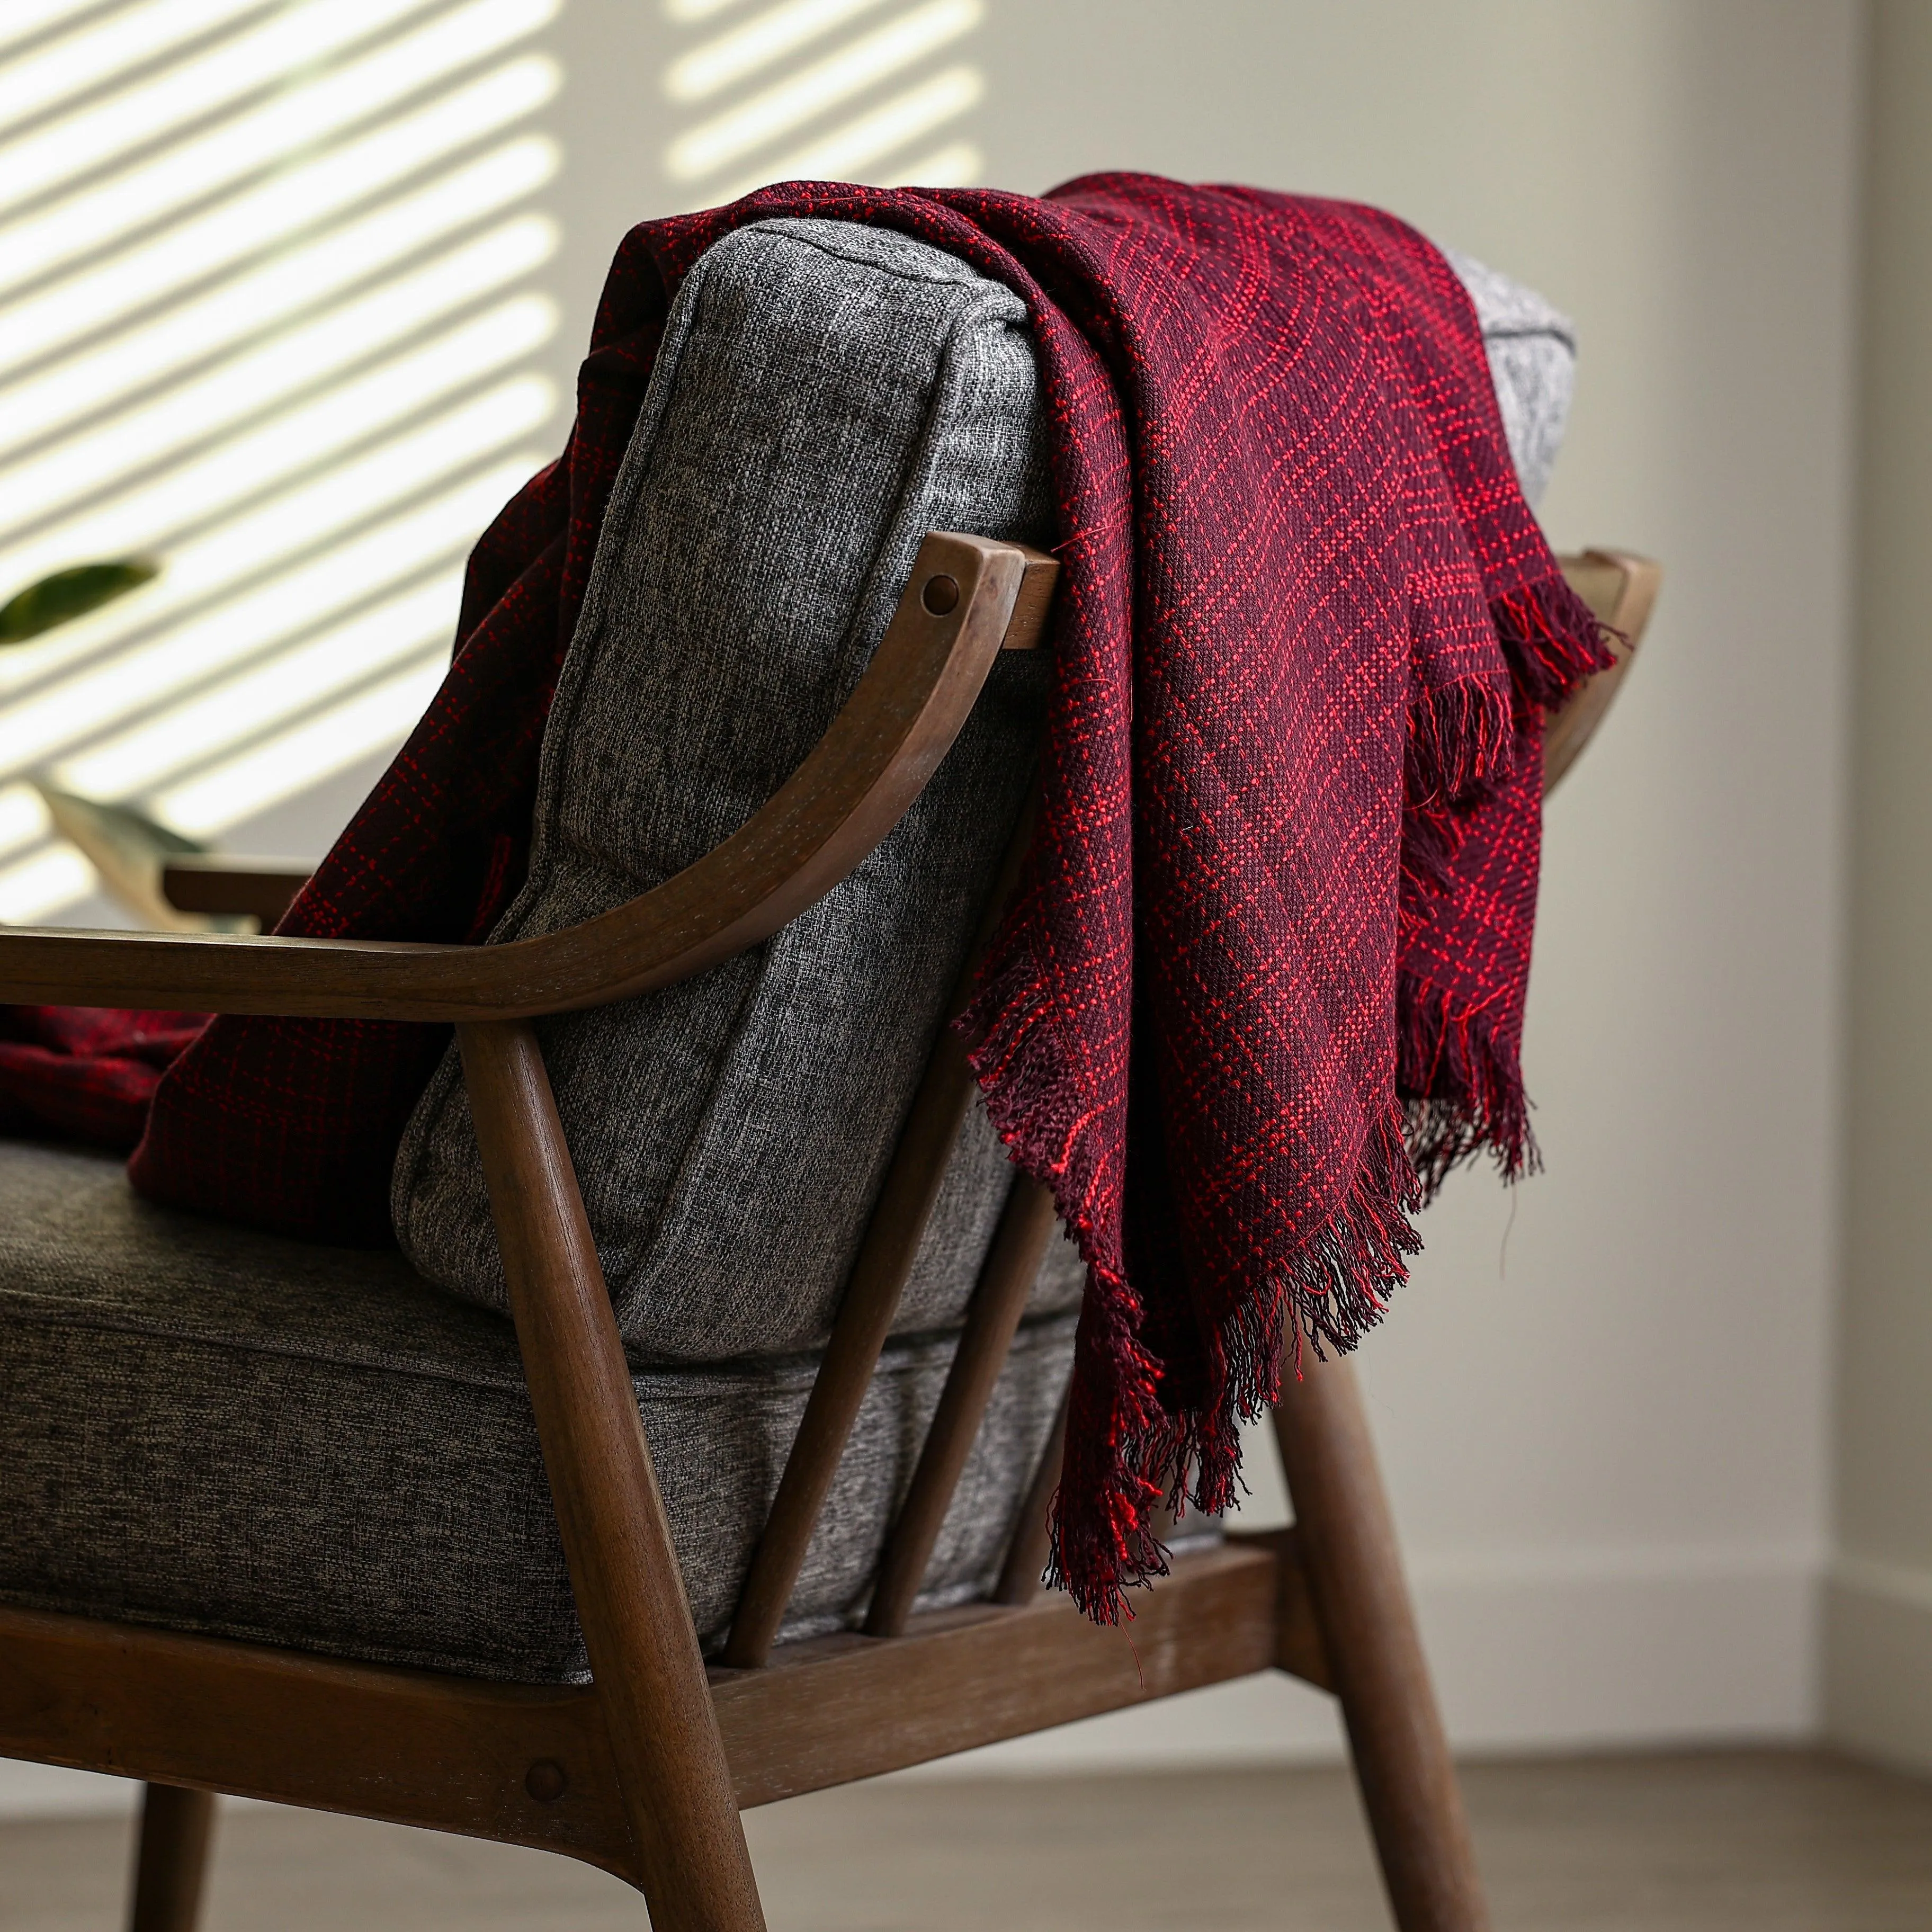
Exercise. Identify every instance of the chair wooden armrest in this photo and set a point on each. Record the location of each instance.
(851, 790)
(968, 598)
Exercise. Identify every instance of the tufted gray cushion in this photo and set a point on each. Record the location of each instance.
(216, 1429)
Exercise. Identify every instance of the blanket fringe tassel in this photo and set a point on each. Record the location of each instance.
(1125, 1452)
(1552, 639)
(1461, 1080)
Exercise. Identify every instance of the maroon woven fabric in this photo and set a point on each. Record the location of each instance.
(1263, 980)
(85, 1072)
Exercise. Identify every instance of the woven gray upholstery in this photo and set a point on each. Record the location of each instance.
(825, 395)
(216, 1429)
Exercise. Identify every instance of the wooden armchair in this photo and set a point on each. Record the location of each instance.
(644, 1771)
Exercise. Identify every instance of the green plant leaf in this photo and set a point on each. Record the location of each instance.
(68, 594)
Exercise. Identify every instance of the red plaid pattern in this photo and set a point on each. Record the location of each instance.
(1278, 912)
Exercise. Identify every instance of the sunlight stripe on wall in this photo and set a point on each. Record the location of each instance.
(248, 465)
(94, 52)
(772, 35)
(296, 118)
(283, 45)
(856, 145)
(136, 437)
(52, 877)
(292, 682)
(821, 90)
(252, 223)
(272, 300)
(80, 707)
(239, 787)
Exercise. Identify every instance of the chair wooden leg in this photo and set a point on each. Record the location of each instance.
(693, 1867)
(171, 1858)
(1395, 1732)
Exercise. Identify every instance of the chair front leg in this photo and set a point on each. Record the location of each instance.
(1401, 1753)
(693, 1867)
(170, 1858)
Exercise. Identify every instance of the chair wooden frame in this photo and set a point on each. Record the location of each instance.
(644, 1772)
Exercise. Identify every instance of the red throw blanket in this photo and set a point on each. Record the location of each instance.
(1263, 982)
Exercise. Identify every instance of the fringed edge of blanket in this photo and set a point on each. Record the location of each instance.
(1552, 639)
(1125, 1452)
(1333, 1289)
(1460, 1073)
(1460, 741)
(1033, 1100)
(1459, 1067)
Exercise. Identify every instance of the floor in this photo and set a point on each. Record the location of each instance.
(1762, 1842)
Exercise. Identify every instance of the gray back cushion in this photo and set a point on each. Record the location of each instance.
(825, 395)
(1532, 351)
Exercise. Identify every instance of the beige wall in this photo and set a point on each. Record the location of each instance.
(1879, 1627)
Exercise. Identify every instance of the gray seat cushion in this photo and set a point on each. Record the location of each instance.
(215, 1430)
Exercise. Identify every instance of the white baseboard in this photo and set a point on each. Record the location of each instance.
(1612, 1649)
(1615, 1650)
(1878, 1661)
(1623, 1648)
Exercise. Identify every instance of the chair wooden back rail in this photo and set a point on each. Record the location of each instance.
(644, 1772)
(223, 882)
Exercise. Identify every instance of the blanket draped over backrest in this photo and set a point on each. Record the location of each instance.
(1263, 982)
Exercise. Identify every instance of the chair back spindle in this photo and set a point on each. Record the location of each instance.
(1031, 1541)
(999, 1300)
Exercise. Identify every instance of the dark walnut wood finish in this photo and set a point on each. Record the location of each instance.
(688, 1846)
(999, 1300)
(871, 1299)
(171, 1858)
(222, 882)
(644, 1772)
